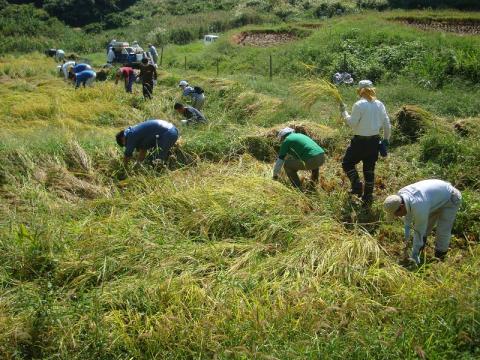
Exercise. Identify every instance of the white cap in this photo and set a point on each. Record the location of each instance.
(365, 84)
(183, 83)
(285, 131)
(391, 205)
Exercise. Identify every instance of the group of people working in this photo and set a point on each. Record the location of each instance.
(423, 204)
(147, 73)
(78, 73)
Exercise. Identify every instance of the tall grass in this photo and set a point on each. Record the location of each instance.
(208, 257)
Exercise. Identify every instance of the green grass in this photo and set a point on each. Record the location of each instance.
(209, 257)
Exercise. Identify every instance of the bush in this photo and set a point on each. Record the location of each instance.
(181, 36)
(329, 9)
(373, 4)
(114, 20)
(94, 28)
(454, 158)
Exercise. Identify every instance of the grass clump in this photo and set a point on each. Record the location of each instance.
(454, 158)
(411, 122)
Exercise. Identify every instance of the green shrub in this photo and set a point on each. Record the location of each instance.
(181, 36)
(458, 159)
(443, 149)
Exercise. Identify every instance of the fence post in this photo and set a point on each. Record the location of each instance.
(161, 56)
(185, 62)
(271, 70)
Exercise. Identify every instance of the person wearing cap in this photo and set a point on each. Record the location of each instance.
(85, 78)
(423, 205)
(368, 117)
(65, 68)
(148, 74)
(110, 45)
(194, 92)
(192, 115)
(128, 75)
(153, 53)
(298, 152)
(157, 136)
(110, 56)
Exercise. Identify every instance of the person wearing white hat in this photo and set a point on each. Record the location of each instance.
(65, 68)
(423, 205)
(298, 152)
(368, 117)
(196, 93)
(153, 53)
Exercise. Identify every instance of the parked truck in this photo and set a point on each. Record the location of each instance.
(126, 54)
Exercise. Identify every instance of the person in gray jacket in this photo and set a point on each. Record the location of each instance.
(423, 205)
(192, 115)
(194, 92)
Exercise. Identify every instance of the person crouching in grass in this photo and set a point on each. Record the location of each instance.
(156, 136)
(298, 152)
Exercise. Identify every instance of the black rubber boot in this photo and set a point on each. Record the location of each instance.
(357, 188)
(440, 254)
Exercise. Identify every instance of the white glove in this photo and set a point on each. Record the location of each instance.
(155, 82)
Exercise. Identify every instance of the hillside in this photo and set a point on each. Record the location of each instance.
(208, 257)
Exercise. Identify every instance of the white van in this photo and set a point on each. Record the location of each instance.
(208, 39)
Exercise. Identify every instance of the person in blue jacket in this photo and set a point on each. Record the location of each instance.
(85, 78)
(78, 68)
(156, 136)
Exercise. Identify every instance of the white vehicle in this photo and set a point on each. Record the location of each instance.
(208, 39)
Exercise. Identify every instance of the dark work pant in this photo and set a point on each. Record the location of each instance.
(147, 90)
(129, 83)
(364, 149)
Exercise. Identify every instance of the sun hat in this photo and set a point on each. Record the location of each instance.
(284, 132)
(183, 83)
(391, 205)
(365, 84)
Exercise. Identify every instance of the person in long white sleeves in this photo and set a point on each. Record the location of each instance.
(368, 117)
(425, 204)
(65, 68)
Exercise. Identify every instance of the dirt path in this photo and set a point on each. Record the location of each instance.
(263, 39)
(464, 28)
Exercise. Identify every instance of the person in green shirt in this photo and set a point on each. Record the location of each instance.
(298, 152)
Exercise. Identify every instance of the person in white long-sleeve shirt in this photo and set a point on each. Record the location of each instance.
(425, 204)
(65, 68)
(368, 117)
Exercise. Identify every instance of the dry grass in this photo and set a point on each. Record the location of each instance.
(309, 92)
(212, 258)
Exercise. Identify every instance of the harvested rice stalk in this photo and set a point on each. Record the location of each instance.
(312, 90)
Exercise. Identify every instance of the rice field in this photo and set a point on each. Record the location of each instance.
(208, 257)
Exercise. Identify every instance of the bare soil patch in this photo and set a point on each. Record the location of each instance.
(467, 27)
(264, 38)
